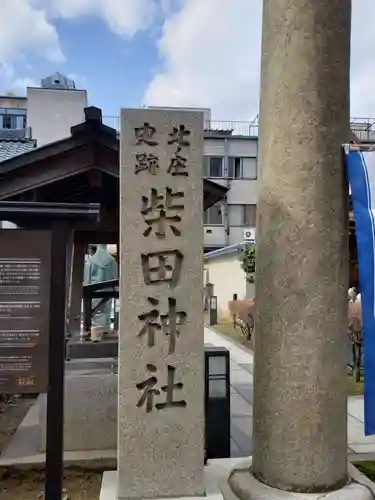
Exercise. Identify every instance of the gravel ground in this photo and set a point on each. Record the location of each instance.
(29, 484)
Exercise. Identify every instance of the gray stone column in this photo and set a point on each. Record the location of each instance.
(76, 288)
(161, 363)
(300, 413)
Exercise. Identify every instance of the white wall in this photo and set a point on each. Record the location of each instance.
(214, 147)
(13, 102)
(214, 236)
(243, 147)
(52, 112)
(228, 278)
(242, 192)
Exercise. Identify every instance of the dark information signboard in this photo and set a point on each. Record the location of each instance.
(25, 267)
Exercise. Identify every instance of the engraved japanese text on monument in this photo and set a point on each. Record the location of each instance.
(162, 210)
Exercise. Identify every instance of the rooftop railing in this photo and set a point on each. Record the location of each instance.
(363, 128)
(214, 128)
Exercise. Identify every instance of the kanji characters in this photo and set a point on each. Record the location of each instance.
(168, 323)
(148, 162)
(145, 134)
(162, 209)
(157, 212)
(167, 267)
(178, 165)
(150, 390)
(178, 136)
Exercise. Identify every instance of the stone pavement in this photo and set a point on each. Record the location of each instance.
(23, 447)
(360, 447)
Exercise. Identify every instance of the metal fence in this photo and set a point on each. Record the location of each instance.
(225, 128)
(363, 128)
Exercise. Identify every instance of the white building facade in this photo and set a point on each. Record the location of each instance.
(231, 160)
(47, 112)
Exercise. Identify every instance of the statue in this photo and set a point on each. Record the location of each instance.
(101, 266)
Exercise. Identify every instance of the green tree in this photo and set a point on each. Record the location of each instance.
(248, 261)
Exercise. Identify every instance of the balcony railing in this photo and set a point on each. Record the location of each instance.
(214, 128)
(112, 121)
(363, 128)
(12, 133)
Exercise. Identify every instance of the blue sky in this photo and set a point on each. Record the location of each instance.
(128, 53)
(115, 72)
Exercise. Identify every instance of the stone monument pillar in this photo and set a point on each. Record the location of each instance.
(161, 369)
(300, 408)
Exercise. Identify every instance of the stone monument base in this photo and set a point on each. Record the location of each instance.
(244, 486)
(90, 413)
(78, 349)
(215, 472)
(222, 476)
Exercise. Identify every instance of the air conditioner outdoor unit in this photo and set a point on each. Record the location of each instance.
(249, 235)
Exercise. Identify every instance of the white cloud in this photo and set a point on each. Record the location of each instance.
(25, 29)
(123, 17)
(363, 59)
(211, 55)
(10, 82)
(211, 50)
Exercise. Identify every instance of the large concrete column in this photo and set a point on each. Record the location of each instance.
(300, 413)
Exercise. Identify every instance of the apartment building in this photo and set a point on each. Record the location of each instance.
(44, 115)
(230, 159)
(231, 152)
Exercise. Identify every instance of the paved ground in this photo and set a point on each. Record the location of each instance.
(360, 447)
(23, 447)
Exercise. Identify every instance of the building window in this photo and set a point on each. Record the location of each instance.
(249, 168)
(242, 215)
(213, 216)
(242, 167)
(234, 167)
(14, 119)
(213, 166)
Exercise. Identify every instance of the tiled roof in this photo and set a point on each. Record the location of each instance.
(14, 147)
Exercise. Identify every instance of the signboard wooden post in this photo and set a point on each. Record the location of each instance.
(25, 267)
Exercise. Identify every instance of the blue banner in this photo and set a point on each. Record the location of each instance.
(361, 174)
